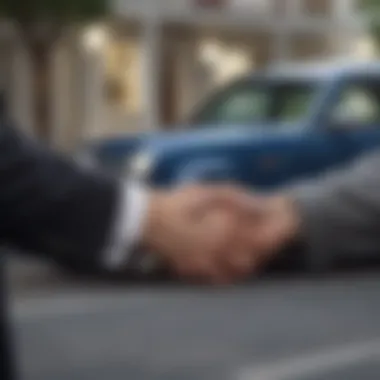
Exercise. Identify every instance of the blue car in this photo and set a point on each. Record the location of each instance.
(263, 131)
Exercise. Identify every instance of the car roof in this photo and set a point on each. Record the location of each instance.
(323, 70)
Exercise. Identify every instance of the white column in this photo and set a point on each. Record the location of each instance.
(283, 31)
(347, 27)
(78, 87)
(282, 37)
(281, 48)
(191, 83)
(21, 104)
(345, 9)
(151, 62)
(61, 96)
(95, 119)
(294, 10)
(6, 54)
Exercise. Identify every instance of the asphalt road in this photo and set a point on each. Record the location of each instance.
(274, 329)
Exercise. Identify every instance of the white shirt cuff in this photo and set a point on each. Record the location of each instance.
(129, 225)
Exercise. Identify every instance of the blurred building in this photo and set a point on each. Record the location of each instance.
(158, 58)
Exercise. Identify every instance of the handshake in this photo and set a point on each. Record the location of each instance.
(217, 234)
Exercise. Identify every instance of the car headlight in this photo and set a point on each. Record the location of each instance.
(141, 165)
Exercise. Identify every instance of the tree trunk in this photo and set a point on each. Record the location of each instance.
(40, 55)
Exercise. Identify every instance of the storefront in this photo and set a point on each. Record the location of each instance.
(158, 59)
(163, 60)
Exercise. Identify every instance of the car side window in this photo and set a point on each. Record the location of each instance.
(242, 107)
(294, 104)
(358, 106)
(241, 104)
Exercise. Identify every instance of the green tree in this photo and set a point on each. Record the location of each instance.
(41, 24)
(372, 14)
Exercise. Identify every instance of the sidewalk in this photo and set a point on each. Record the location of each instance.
(26, 275)
(29, 277)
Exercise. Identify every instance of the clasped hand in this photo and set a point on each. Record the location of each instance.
(217, 234)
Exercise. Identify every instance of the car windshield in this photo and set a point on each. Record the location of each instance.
(255, 101)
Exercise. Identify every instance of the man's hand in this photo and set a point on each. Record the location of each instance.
(275, 224)
(198, 232)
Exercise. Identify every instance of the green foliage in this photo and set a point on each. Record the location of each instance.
(61, 11)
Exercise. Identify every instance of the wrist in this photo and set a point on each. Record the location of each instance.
(154, 220)
(289, 219)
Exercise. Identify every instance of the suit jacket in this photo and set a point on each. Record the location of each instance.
(341, 209)
(51, 208)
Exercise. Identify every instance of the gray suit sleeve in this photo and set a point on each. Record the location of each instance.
(341, 209)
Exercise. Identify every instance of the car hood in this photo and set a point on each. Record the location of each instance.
(220, 136)
(201, 136)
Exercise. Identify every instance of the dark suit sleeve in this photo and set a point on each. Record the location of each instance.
(341, 210)
(50, 206)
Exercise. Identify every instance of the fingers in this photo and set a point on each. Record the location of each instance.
(220, 227)
(205, 198)
(259, 234)
(217, 257)
(208, 273)
(217, 234)
(233, 260)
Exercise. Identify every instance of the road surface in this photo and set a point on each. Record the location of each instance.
(275, 329)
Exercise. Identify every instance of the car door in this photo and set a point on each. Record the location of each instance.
(266, 157)
(241, 107)
(354, 121)
(348, 126)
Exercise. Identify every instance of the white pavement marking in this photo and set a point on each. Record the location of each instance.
(313, 363)
(66, 306)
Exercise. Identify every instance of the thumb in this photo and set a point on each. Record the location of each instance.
(227, 196)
